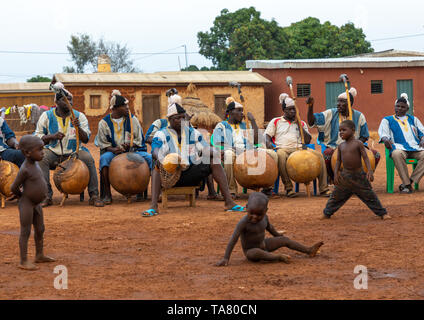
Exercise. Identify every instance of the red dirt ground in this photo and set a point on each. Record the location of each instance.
(114, 253)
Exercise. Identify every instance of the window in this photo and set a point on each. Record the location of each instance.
(376, 86)
(220, 106)
(95, 102)
(303, 90)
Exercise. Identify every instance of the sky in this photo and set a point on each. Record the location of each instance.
(148, 27)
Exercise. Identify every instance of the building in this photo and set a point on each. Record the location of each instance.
(146, 92)
(378, 77)
(26, 93)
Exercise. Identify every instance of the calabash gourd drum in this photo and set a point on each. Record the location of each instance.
(71, 176)
(255, 169)
(370, 156)
(8, 173)
(303, 166)
(129, 174)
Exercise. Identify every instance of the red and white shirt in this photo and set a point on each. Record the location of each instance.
(285, 134)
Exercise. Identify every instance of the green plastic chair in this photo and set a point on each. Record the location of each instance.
(390, 171)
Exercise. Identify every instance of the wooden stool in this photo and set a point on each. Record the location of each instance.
(189, 192)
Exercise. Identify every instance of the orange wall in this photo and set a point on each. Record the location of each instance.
(373, 106)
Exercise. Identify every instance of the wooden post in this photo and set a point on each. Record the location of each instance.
(308, 191)
(3, 202)
(64, 196)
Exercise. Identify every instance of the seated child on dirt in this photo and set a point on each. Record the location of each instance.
(251, 228)
(34, 192)
(352, 179)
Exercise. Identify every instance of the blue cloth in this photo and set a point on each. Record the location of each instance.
(320, 120)
(5, 134)
(398, 133)
(225, 138)
(194, 141)
(13, 155)
(54, 128)
(107, 157)
(127, 128)
(163, 124)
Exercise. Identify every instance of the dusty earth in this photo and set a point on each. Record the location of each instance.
(114, 253)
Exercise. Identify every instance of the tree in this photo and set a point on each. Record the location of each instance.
(84, 52)
(244, 35)
(309, 38)
(39, 79)
(240, 36)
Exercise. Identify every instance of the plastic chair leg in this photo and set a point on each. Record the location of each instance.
(277, 185)
(416, 186)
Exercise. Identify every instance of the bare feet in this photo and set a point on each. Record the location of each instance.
(314, 249)
(43, 258)
(285, 258)
(28, 266)
(385, 217)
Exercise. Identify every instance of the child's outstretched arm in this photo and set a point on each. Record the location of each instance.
(337, 168)
(16, 185)
(234, 238)
(270, 228)
(370, 174)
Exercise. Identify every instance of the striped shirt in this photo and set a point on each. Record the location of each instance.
(327, 123)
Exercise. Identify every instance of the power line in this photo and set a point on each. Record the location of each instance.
(400, 37)
(67, 53)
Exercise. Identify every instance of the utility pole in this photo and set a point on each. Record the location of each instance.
(179, 63)
(185, 52)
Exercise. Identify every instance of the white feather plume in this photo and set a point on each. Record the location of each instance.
(353, 92)
(283, 97)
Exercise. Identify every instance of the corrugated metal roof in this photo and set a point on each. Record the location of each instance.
(162, 78)
(349, 62)
(24, 87)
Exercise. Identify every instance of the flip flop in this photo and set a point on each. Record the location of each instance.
(236, 208)
(149, 213)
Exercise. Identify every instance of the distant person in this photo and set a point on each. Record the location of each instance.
(327, 123)
(283, 138)
(57, 130)
(251, 229)
(34, 187)
(351, 179)
(9, 145)
(113, 138)
(403, 135)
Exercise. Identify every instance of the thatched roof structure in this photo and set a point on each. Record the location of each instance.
(203, 117)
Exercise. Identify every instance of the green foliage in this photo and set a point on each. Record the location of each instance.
(193, 67)
(84, 52)
(240, 36)
(39, 79)
(244, 35)
(311, 39)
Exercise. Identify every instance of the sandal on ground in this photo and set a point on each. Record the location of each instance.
(95, 201)
(325, 193)
(291, 194)
(405, 189)
(149, 213)
(236, 208)
(46, 202)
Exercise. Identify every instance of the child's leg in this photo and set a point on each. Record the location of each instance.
(26, 218)
(257, 254)
(365, 192)
(38, 222)
(338, 198)
(275, 243)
